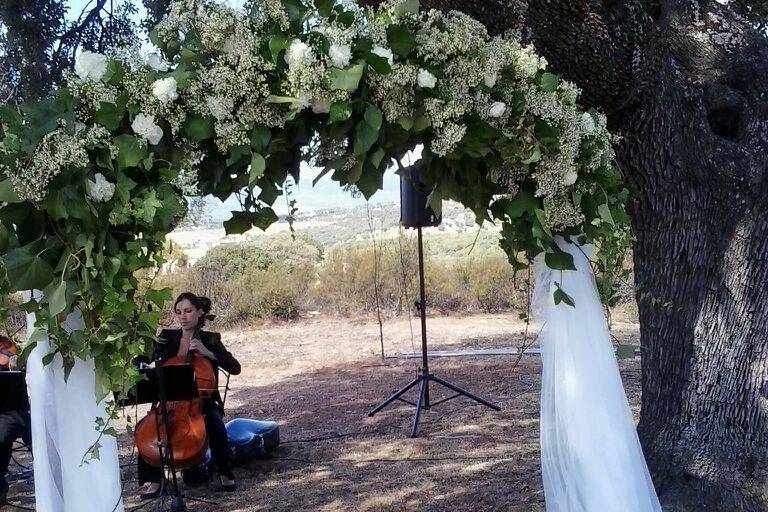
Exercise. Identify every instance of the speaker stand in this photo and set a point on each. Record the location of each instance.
(423, 375)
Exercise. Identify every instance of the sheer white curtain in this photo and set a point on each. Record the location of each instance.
(591, 457)
(63, 428)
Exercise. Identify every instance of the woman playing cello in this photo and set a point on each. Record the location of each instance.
(192, 312)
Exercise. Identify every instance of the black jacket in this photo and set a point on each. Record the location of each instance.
(168, 347)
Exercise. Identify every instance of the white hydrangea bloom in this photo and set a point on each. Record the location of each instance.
(303, 100)
(570, 177)
(144, 126)
(383, 52)
(340, 55)
(587, 123)
(425, 79)
(164, 89)
(90, 65)
(221, 107)
(529, 63)
(497, 109)
(297, 54)
(490, 78)
(321, 105)
(100, 190)
(157, 62)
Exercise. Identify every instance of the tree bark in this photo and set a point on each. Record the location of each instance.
(683, 83)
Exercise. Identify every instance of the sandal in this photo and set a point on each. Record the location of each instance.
(230, 484)
(149, 492)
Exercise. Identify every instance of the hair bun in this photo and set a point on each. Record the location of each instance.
(205, 304)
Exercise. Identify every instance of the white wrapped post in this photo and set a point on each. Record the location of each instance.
(63, 428)
(591, 458)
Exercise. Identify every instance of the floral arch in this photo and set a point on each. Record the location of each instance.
(94, 177)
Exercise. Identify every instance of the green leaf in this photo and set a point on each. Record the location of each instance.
(109, 115)
(258, 165)
(559, 260)
(199, 128)
(367, 130)
(324, 7)
(340, 111)
(548, 82)
(347, 18)
(26, 270)
(276, 45)
(7, 193)
(400, 40)
(238, 224)
(378, 63)
(377, 157)
(406, 122)
(347, 79)
(522, 202)
(408, 6)
(605, 213)
(561, 296)
(264, 218)
(131, 151)
(260, 137)
(57, 302)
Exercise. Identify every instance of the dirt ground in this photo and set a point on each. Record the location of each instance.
(319, 377)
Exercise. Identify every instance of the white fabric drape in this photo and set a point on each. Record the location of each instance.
(63, 428)
(591, 456)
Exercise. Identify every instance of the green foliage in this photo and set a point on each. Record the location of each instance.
(95, 251)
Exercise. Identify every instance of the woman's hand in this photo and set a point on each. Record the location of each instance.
(198, 347)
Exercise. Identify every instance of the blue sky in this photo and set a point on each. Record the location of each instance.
(326, 194)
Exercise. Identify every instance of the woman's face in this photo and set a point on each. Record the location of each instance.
(187, 314)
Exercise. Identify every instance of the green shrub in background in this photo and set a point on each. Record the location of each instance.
(278, 277)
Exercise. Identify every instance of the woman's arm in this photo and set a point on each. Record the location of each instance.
(224, 358)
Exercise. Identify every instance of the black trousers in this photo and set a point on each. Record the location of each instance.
(217, 440)
(13, 425)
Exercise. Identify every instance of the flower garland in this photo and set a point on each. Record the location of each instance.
(93, 178)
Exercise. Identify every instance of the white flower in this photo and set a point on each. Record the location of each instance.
(303, 100)
(90, 65)
(297, 53)
(587, 123)
(570, 178)
(425, 79)
(100, 190)
(321, 105)
(164, 89)
(144, 126)
(385, 53)
(157, 62)
(340, 55)
(220, 107)
(490, 77)
(497, 109)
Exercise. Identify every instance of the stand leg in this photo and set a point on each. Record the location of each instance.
(417, 415)
(395, 396)
(465, 393)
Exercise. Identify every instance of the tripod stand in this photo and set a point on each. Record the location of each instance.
(183, 387)
(423, 375)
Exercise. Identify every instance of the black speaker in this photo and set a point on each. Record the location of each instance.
(414, 212)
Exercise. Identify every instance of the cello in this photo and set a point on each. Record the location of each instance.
(186, 439)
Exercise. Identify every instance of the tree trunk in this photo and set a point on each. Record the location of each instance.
(683, 83)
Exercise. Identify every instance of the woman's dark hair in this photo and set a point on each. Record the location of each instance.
(203, 303)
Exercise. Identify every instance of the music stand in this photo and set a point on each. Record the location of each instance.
(165, 384)
(13, 394)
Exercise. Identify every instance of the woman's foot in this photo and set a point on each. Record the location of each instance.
(227, 482)
(149, 491)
